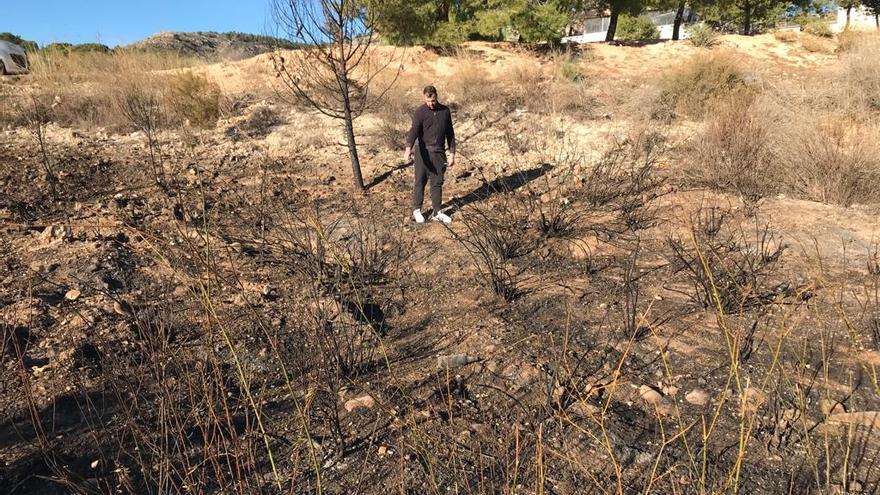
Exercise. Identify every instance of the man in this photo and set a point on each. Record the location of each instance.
(432, 126)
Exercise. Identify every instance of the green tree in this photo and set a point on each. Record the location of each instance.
(405, 22)
(874, 8)
(615, 9)
(848, 5)
(30, 46)
(527, 20)
(447, 23)
(745, 16)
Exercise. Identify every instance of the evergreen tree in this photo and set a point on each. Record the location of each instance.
(874, 8)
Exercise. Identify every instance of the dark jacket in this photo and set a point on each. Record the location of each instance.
(433, 128)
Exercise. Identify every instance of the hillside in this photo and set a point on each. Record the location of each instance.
(210, 45)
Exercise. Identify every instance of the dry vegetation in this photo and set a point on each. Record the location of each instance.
(679, 298)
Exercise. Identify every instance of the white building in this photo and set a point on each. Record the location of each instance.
(596, 28)
(859, 18)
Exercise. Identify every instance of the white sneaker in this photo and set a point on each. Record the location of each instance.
(441, 217)
(418, 217)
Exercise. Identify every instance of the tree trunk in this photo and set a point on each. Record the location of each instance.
(848, 11)
(612, 24)
(877, 20)
(747, 18)
(679, 17)
(352, 146)
(442, 11)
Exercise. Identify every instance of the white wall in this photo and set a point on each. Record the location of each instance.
(665, 34)
(859, 19)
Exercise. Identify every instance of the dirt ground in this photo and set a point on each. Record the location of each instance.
(164, 339)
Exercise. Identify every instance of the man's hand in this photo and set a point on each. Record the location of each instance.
(451, 161)
(407, 154)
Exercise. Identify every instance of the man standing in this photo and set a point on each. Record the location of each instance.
(432, 126)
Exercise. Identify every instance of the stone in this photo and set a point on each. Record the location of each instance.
(55, 233)
(383, 450)
(363, 402)
(455, 361)
(122, 308)
(649, 394)
(655, 398)
(72, 295)
(697, 397)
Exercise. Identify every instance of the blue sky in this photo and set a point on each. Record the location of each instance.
(122, 22)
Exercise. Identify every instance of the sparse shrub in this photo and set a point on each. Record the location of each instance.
(817, 28)
(574, 99)
(831, 164)
(527, 86)
(862, 72)
(497, 237)
(395, 114)
(736, 153)
(570, 69)
(35, 116)
(195, 99)
(728, 269)
(261, 121)
(141, 105)
(472, 86)
(786, 36)
(816, 44)
(641, 28)
(702, 35)
(701, 82)
(557, 214)
(851, 39)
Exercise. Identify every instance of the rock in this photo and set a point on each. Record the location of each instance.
(383, 450)
(122, 308)
(655, 398)
(455, 361)
(697, 397)
(54, 234)
(363, 402)
(650, 395)
(866, 418)
(829, 407)
(72, 295)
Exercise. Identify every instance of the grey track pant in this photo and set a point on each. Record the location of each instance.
(430, 168)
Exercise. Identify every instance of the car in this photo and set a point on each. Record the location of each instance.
(13, 59)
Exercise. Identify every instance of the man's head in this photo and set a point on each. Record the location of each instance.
(430, 93)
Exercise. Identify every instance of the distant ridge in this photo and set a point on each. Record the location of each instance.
(211, 45)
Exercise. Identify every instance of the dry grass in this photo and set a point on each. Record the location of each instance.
(737, 152)
(817, 44)
(832, 161)
(80, 83)
(786, 36)
(699, 84)
(471, 86)
(862, 70)
(194, 99)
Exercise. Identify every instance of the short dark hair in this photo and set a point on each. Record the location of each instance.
(429, 91)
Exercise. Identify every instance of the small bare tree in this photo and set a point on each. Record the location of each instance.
(141, 106)
(36, 116)
(336, 66)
